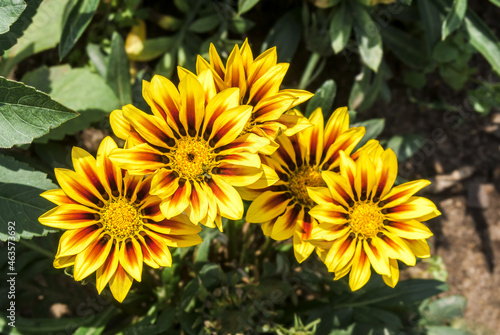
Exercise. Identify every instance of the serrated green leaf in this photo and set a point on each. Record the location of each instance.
(42, 34)
(17, 28)
(285, 36)
(405, 146)
(429, 15)
(340, 28)
(368, 37)
(75, 24)
(205, 24)
(245, 5)
(20, 201)
(118, 72)
(454, 18)
(483, 39)
(79, 89)
(323, 98)
(27, 113)
(10, 10)
(404, 47)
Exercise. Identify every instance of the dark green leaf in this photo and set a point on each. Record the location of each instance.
(405, 292)
(79, 89)
(20, 201)
(75, 24)
(403, 45)
(366, 88)
(98, 323)
(42, 34)
(205, 24)
(245, 5)
(415, 79)
(10, 10)
(405, 146)
(16, 29)
(285, 36)
(374, 128)
(165, 320)
(240, 25)
(323, 98)
(210, 275)
(454, 18)
(118, 72)
(368, 37)
(189, 294)
(483, 39)
(429, 15)
(445, 52)
(340, 28)
(27, 113)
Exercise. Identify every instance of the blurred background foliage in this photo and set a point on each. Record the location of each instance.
(91, 56)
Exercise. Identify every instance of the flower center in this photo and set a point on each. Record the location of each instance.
(301, 179)
(192, 158)
(366, 219)
(121, 219)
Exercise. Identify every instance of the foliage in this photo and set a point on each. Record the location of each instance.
(70, 63)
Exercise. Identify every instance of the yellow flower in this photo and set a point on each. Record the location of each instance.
(283, 208)
(113, 224)
(364, 220)
(259, 81)
(192, 148)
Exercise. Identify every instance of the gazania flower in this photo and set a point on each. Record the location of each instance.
(193, 150)
(112, 223)
(365, 222)
(259, 81)
(283, 208)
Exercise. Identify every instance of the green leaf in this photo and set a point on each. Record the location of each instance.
(20, 201)
(374, 127)
(245, 5)
(366, 88)
(483, 39)
(17, 28)
(454, 18)
(79, 89)
(240, 25)
(285, 36)
(323, 98)
(75, 24)
(404, 46)
(445, 52)
(10, 10)
(405, 146)
(205, 24)
(41, 35)
(118, 73)
(27, 113)
(429, 15)
(153, 48)
(97, 58)
(444, 310)
(495, 2)
(443, 330)
(340, 28)
(96, 327)
(415, 79)
(368, 37)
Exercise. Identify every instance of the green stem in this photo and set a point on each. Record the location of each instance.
(311, 65)
(35, 247)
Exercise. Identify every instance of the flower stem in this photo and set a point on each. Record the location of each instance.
(311, 65)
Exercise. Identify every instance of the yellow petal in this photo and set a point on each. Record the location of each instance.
(120, 284)
(392, 280)
(227, 198)
(92, 258)
(284, 226)
(131, 258)
(267, 206)
(360, 270)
